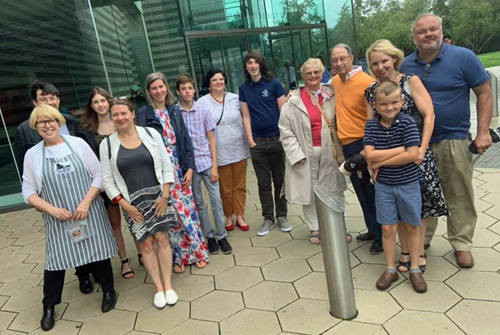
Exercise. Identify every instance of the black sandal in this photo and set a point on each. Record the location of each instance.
(405, 265)
(423, 267)
(124, 275)
(139, 257)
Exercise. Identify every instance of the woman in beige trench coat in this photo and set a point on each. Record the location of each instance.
(307, 141)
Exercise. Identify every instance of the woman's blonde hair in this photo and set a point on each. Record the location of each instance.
(312, 61)
(152, 77)
(48, 112)
(386, 47)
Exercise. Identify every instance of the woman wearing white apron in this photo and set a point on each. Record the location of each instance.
(62, 178)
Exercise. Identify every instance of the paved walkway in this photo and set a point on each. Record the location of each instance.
(269, 285)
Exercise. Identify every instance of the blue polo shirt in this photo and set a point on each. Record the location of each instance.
(403, 131)
(262, 99)
(449, 78)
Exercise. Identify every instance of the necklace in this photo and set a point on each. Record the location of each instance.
(219, 101)
(395, 80)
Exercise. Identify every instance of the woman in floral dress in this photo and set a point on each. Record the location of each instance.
(162, 115)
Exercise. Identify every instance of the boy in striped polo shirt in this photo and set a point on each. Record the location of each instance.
(391, 144)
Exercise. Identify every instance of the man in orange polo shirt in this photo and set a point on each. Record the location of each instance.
(349, 85)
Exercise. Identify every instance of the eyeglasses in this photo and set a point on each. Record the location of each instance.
(426, 72)
(313, 73)
(337, 60)
(46, 99)
(43, 123)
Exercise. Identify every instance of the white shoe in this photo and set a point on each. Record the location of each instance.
(171, 297)
(159, 300)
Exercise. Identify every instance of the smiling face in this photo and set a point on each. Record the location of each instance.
(312, 75)
(253, 67)
(217, 83)
(341, 61)
(382, 65)
(47, 99)
(158, 92)
(122, 117)
(388, 105)
(48, 128)
(100, 104)
(427, 34)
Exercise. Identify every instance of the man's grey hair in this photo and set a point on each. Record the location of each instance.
(342, 45)
(421, 16)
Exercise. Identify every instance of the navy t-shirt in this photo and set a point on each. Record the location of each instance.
(262, 99)
(449, 79)
(403, 131)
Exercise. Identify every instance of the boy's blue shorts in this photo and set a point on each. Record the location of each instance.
(398, 203)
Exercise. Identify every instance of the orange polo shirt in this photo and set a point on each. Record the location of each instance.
(350, 106)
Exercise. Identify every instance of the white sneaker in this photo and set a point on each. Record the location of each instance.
(171, 297)
(160, 300)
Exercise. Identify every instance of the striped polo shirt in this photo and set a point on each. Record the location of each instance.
(403, 131)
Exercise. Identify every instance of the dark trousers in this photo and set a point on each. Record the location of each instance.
(365, 191)
(53, 281)
(268, 159)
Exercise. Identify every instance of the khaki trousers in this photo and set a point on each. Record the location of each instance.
(233, 187)
(455, 174)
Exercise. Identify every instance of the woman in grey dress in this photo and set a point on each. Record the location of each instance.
(137, 175)
(62, 179)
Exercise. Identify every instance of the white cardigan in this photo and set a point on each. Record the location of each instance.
(32, 175)
(112, 179)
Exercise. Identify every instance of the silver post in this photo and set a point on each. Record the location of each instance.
(336, 256)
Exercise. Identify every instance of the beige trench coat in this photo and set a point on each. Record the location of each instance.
(296, 138)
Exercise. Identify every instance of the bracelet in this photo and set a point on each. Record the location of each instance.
(161, 196)
(117, 199)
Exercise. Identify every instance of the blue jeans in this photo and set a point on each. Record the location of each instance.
(399, 203)
(215, 202)
(364, 191)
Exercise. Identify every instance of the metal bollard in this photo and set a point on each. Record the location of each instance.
(336, 257)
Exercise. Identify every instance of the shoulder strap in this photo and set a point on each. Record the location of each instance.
(109, 147)
(147, 131)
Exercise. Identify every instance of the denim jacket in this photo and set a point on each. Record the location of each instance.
(146, 117)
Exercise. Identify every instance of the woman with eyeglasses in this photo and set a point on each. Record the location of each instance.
(305, 134)
(232, 147)
(384, 60)
(62, 179)
(163, 115)
(97, 125)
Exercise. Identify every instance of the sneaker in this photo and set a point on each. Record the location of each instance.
(225, 246)
(365, 237)
(284, 224)
(377, 247)
(213, 248)
(265, 228)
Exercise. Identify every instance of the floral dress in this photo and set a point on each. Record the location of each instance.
(186, 239)
(433, 203)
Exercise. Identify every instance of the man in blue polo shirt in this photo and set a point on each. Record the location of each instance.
(449, 72)
(261, 99)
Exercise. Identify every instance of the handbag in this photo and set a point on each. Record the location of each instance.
(336, 144)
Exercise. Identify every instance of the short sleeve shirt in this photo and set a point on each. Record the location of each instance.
(199, 122)
(449, 79)
(403, 131)
(262, 99)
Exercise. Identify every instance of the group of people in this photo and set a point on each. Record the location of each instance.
(409, 121)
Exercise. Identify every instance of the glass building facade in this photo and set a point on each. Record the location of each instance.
(79, 44)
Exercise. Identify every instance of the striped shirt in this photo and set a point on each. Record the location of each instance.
(403, 131)
(199, 122)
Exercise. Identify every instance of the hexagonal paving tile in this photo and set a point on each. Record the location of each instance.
(250, 322)
(256, 257)
(271, 240)
(114, 322)
(416, 323)
(312, 286)
(353, 210)
(364, 276)
(238, 278)
(495, 228)
(25, 300)
(203, 308)
(62, 327)
(239, 244)
(286, 270)
(356, 328)
(439, 269)
(481, 205)
(21, 284)
(136, 299)
(494, 212)
(193, 287)
(29, 320)
(317, 263)
(307, 317)
(123, 285)
(439, 246)
(298, 249)
(355, 224)
(218, 263)
(439, 297)
(88, 307)
(485, 238)
(270, 296)
(363, 254)
(476, 285)
(156, 320)
(485, 259)
(368, 301)
(300, 233)
(477, 317)
(5, 319)
(194, 327)
(484, 221)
